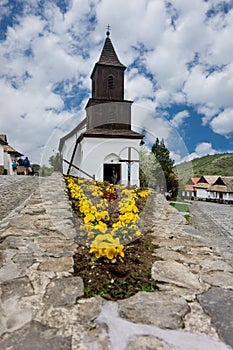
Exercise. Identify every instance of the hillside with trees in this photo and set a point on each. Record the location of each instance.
(216, 164)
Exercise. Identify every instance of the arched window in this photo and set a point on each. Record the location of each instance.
(110, 82)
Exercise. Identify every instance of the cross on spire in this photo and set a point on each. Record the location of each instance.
(108, 30)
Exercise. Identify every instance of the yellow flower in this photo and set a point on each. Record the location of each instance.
(92, 209)
(120, 250)
(144, 193)
(138, 233)
(117, 224)
(106, 245)
(101, 226)
(98, 215)
(84, 209)
(98, 252)
(110, 252)
(88, 218)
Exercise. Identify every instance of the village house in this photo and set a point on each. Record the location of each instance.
(190, 191)
(7, 155)
(104, 146)
(221, 190)
(215, 188)
(203, 185)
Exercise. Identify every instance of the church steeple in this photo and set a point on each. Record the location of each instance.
(107, 76)
(108, 55)
(108, 86)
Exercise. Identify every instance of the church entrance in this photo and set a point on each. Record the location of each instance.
(112, 173)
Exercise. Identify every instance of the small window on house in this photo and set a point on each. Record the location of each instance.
(110, 82)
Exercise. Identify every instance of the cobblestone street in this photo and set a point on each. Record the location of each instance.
(14, 191)
(41, 302)
(215, 223)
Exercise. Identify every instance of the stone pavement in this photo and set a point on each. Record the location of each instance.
(42, 305)
(14, 190)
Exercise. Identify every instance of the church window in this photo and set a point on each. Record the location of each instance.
(110, 82)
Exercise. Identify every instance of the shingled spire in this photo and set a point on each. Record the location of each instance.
(107, 76)
(108, 55)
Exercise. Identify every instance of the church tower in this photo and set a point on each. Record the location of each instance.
(108, 87)
(108, 76)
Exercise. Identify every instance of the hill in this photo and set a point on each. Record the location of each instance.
(216, 164)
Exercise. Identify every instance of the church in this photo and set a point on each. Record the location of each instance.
(103, 146)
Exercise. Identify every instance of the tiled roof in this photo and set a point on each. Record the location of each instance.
(115, 133)
(108, 55)
(191, 182)
(9, 149)
(218, 188)
(195, 180)
(228, 180)
(189, 188)
(226, 186)
(206, 180)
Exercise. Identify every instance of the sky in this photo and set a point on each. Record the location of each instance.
(179, 58)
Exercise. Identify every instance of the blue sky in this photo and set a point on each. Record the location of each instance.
(179, 56)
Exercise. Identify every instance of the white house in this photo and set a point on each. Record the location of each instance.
(104, 146)
(203, 184)
(221, 189)
(190, 191)
(7, 155)
(215, 188)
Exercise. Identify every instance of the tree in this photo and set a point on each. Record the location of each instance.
(150, 171)
(162, 155)
(56, 162)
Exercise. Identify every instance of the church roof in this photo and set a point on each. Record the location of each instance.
(112, 133)
(108, 55)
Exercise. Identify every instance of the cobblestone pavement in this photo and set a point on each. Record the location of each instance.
(14, 190)
(41, 302)
(221, 214)
(215, 223)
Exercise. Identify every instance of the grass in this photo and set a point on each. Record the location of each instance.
(182, 207)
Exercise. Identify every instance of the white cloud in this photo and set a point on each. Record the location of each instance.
(138, 86)
(223, 123)
(215, 88)
(179, 118)
(209, 111)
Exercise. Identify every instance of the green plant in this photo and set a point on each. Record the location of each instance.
(188, 218)
(148, 288)
(182, 207)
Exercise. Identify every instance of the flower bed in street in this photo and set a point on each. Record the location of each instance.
(109, 214)
(114, 257)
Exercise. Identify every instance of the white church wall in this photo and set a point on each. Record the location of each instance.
(96, 152)
(67, 151)
(68, 147)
